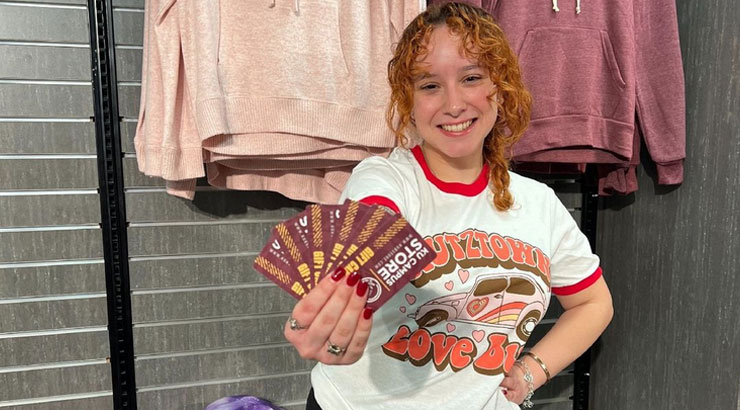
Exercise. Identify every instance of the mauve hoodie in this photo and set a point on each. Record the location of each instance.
(594, 67)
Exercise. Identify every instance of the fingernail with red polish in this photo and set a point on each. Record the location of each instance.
(361, 289)
(367, 313)
(505, 393)
(338, 274)
(353, 278)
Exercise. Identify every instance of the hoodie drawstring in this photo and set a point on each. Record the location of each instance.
(556, 9)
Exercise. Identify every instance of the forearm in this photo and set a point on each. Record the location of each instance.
(574, 332)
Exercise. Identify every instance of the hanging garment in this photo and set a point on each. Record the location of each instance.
(301, 79)
(592, 69)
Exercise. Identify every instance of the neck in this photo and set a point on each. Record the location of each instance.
(463, 170)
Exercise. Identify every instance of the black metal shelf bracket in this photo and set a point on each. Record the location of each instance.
(112, 203)
(589, 212)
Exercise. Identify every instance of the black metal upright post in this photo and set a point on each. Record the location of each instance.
(589, 212)
(112, 204)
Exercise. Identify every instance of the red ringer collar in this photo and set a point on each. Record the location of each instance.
(472, 189)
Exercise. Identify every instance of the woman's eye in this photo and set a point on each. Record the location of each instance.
(428, 86)
(472, 78)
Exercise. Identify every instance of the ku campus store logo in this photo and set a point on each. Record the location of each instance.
(498, 306)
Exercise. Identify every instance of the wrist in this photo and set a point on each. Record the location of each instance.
(540, 371)
(529, 381)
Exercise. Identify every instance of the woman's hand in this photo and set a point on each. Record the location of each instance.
(331, 324)
(514, 386)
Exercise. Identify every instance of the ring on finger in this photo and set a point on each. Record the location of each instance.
(294, 325)
(334, 349)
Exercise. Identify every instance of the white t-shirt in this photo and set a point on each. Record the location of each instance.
(445, 340)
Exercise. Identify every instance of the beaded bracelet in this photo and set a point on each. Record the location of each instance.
(541, 363)
(527, 403)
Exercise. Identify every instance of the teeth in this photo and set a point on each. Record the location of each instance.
(457, 127)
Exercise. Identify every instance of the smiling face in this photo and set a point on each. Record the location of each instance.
(453, 108)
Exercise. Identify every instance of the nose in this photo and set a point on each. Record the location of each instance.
(455, 102)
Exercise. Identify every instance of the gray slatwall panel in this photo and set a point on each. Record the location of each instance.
(57, 314)
(59, 308)
(128, 100)
(215, 303)
(54, 348)
(209, 335)
(52, 280)
(47, 137)
(55, 382)
(129, 27)
(48, 173)
(208, 205)
(134, 178)
(191, 272)
(96, 403)
(251, 362)
(129, 3)
(50, 245)
(36, 210)
(79, 2)
(46, 24)
(46, 100)
(173, 240)
(288, 388)
(44, 63)
(128, 131)
(128, 64)
(672, 254)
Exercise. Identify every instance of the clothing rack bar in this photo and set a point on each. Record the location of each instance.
(112, 203)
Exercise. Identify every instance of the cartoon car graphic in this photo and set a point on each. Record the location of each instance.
(513, 301)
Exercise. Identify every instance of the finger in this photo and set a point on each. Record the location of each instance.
(326, 320)
(305, 311)
(508, 383)
(345, 328)
(356, 346)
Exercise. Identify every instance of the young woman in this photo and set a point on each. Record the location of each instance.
(453, 338)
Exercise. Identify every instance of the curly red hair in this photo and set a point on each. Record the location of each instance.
(484, 41)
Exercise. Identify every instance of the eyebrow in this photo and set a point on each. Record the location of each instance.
(424, 75)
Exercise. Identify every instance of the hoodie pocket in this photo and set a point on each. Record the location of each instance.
(291, 49)
(572, 71)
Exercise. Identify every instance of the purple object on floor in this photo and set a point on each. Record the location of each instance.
(242, 403)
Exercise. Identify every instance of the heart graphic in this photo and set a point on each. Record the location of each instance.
(402, 309)
(478, 335)
(410, 298)
(463, 274)
(476, 306)
(451, 327)
(449, 285)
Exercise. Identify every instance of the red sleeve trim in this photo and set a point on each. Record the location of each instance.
(380, 200)
(569, 290)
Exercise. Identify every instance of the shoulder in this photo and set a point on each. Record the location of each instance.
(388, 177)
(398, 161)
(527, 191)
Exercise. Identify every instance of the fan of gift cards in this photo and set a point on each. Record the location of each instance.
(369, 239)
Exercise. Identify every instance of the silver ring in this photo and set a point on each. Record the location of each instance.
(294, 325)
(334, 349)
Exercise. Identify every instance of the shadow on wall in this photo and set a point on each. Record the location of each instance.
(225, 203)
